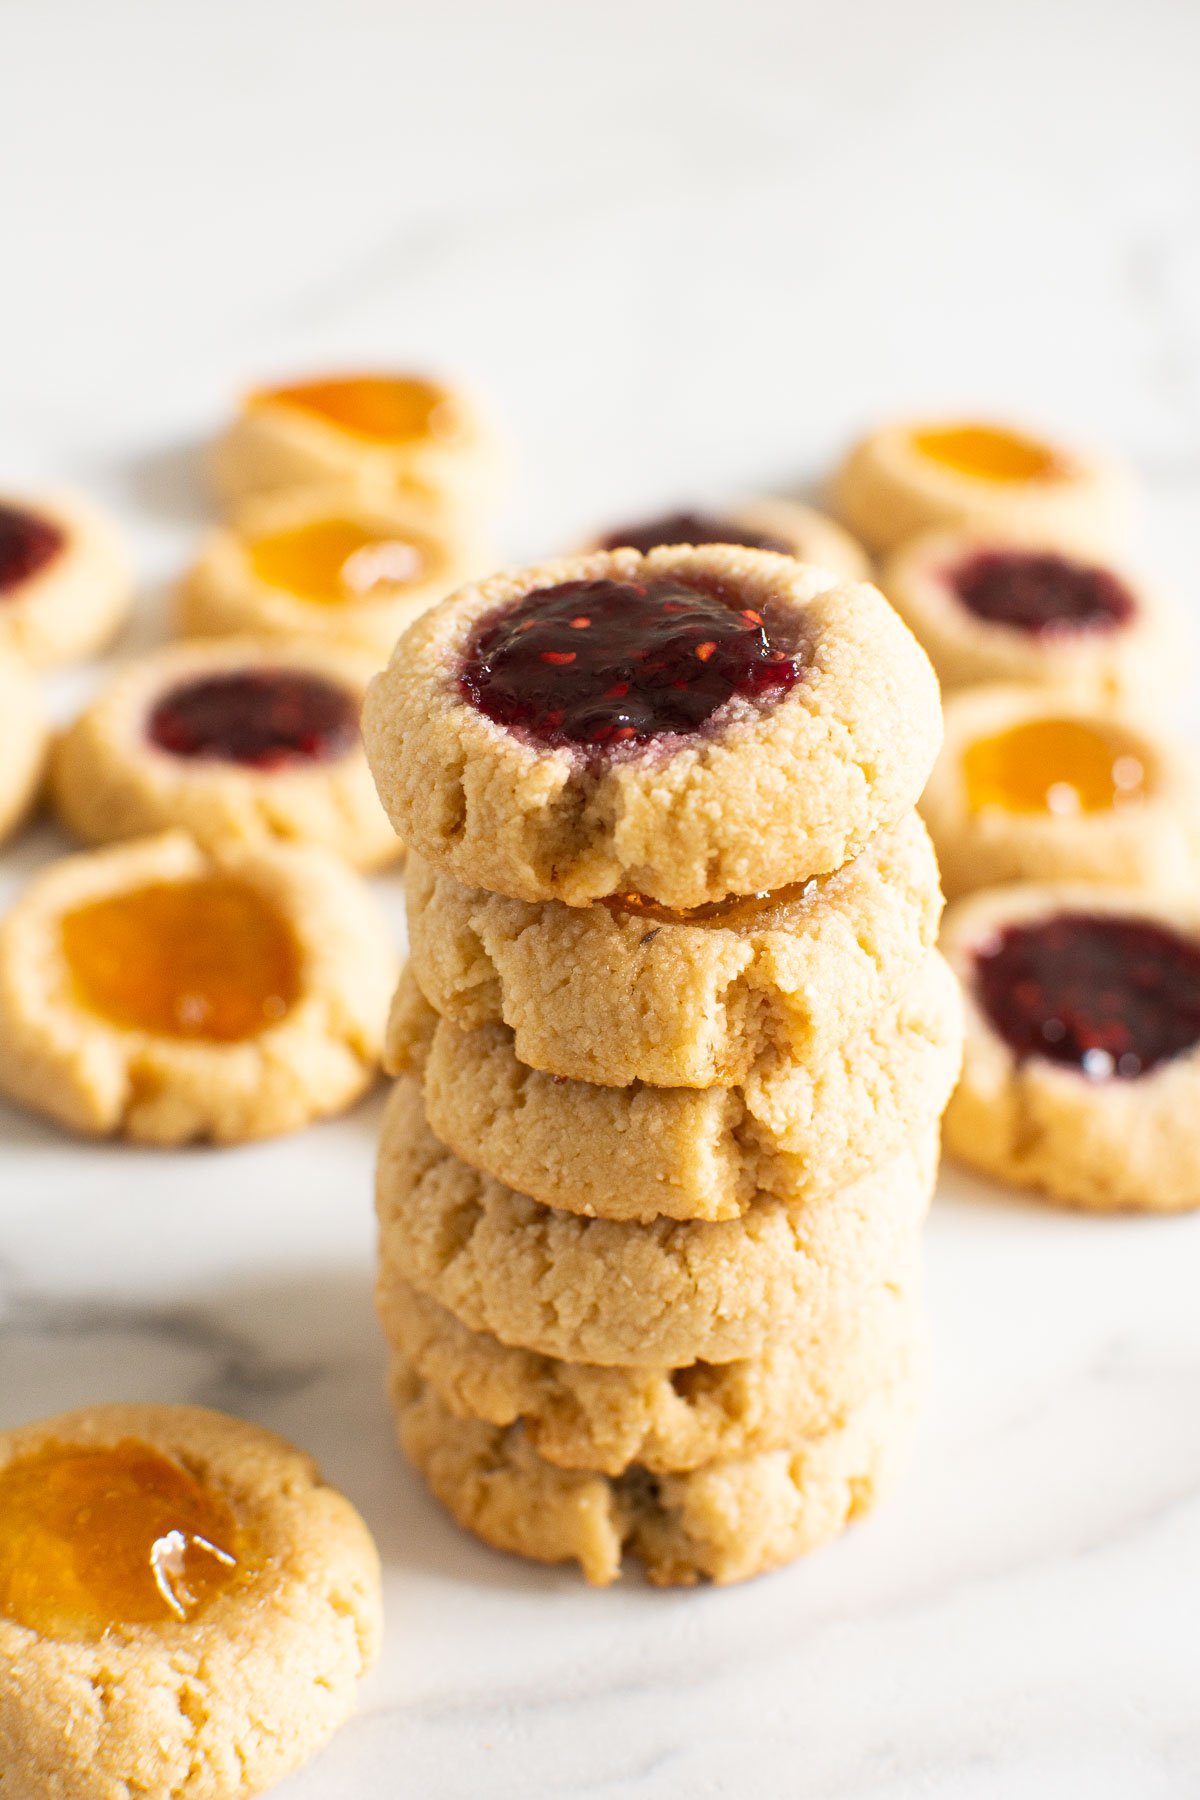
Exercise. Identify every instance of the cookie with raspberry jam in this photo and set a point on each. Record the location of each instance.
(66, 581)
(1006, 606)
(684, 725)
(1082, 1067)
(785, 526)
(238, 741)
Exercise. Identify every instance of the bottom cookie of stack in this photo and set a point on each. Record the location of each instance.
(724, 1521)
(716, 1470)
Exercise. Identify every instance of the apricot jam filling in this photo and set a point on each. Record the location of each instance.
(691, 528)
(92, 1538)
(735, 909)
(388, 409)
(1040, 591)
(27, 544)
(206, 958)
(1059, 766)
(608, 663)
(1107, 995)
(330, 561)
(261, 718)
(988, 453)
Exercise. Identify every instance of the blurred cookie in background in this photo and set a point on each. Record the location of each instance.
(245, 741)
(66, 579)
(348, 565)
(998, 606)
(912, 474)
(785, 526)
(24, 738)
(1082, 1068)
(1031, 785)
(167, 993)
(426, 442)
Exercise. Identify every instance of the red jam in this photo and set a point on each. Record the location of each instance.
(1041, 592)
(262, 718)
(691, 528)
(607, 663)
(27, 544)
(1107, 995)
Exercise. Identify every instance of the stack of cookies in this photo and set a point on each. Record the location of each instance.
(670, 1055)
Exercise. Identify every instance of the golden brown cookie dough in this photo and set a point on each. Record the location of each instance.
(723, 1522)
(766, 794)
(116, 774)
(785, 526)
(579, 1416)
(798, 1130)
(265, 987)
(916, 473)
(598, 1291)
(1105, 631)
(612, 994)
(220, 1691)
(423, 441)
(24, 739)
(66, 582)
(1034, 786)
(348, 565)
(1104, 1140)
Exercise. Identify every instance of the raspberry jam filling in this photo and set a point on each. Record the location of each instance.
(387, 409)
(92, 1538)
(607, 663)
(27, 544)
(691, 528)
(1061, 766)
(1041, 592)
(261, 718)
(1107, 995)
(988, 453)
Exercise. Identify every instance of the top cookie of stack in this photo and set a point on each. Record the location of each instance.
(684, 725)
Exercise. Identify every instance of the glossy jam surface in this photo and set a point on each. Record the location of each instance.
(27, 544)
(92, 1538)
(206, 958)
(330, 561)
(1107, 995)
(736, 909)
(691, 528)
(988, 453)
(1041, 592)
(606, 663)
(388, 409)
(261, 718)
(1059, 766)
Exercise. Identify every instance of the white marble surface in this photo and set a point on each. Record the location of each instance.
(687, 248)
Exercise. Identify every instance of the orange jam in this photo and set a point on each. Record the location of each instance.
(988, 453)
(735, 909)
(1060, 766)
(389, 409)
(206, 958)
(328, 561)
(96, 1537)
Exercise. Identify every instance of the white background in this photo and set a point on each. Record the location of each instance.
(686, 250)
